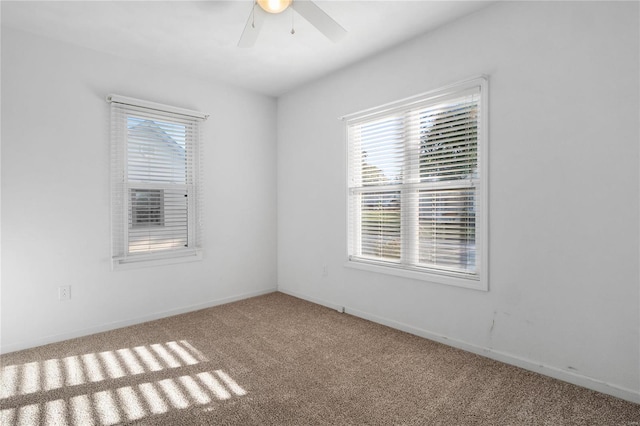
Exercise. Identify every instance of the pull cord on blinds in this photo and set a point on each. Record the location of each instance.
(155, 180)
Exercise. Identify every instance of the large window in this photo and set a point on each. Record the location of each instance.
(417, 184)
(155, 182)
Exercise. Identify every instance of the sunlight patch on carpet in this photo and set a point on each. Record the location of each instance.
(112, 387)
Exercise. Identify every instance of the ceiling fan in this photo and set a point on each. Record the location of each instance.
(306, 8)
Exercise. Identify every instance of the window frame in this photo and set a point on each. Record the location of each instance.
(477, 281)
(123, 187)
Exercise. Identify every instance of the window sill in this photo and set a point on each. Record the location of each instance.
(471, 283)
(135, 262)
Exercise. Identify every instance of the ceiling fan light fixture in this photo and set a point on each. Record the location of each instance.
(274, 6)
(308, 10)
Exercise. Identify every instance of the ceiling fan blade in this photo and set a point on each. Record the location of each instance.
(319, 19)
(252, 27)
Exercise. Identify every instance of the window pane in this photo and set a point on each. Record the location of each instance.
(156, 151)
(382, 152)
(170, 232)
(447, 229)
(449, 141)
(380, 229)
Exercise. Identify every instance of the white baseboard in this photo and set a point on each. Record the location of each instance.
(546, 370)
(26, 344)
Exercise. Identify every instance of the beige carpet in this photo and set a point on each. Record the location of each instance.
(278, 360)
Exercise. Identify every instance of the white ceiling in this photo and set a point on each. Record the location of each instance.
(200, 38)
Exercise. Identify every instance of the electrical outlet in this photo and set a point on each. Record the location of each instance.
(64, 292)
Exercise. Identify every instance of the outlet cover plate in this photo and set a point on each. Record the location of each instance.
(64, 292)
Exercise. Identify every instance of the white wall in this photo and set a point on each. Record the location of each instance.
(564, 186)
(56, 196)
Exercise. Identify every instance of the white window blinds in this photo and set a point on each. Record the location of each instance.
(417, 185)
(155, 181)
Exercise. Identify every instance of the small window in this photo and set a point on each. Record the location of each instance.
(417, 182)
(156, 198)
